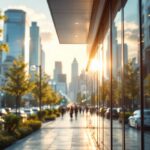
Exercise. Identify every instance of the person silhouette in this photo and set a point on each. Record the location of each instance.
(71, 112)
(76, 111)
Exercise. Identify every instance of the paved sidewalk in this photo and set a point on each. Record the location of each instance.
(62, 134)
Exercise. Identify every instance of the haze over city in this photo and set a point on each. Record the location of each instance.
(106, 106)
(53, 50)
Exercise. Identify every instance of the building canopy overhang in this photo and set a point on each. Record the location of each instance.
(83, 21)
(71, 19)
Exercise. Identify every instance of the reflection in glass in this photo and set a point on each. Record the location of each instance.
(146, 64)
(131, 69)
(117, 82)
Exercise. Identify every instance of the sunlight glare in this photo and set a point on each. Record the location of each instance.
(95, 65)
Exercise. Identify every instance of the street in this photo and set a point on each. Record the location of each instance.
(62, 134)
(66, 134)
(132, 135)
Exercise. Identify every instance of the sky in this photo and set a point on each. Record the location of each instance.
(38, 10)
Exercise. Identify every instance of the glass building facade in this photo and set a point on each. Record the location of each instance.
(35, 47)
(119, 41)
(16, 34)
(121, 83)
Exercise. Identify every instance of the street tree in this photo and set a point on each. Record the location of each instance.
(55, 98)
(116, 91)
(131, 84)
(80, 97)
(17, 81)
(105, 90)
(43, 91)
(3, 46)
(147, 86)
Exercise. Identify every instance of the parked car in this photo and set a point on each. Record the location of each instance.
(29, 111)
(102, 111)
(35, 110)
(135, 119)
(3, 112)
(20, 113)
(115, 114)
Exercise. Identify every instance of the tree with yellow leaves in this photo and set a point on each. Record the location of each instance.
(17, 81)
(3, 46)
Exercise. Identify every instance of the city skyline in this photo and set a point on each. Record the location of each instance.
(53, 50)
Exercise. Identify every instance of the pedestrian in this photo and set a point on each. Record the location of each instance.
(80, 109)
(76, 111)
(86, 109)
(62, 111)
(71, 112)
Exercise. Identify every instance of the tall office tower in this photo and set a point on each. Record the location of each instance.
(57, 69)
(74, 80)
(74, 70)
(43, 60)
(1, 60)
(82, 83)
(62, 83)
(114, 48)
(34, 45)
(119, 55)
(146, 36)
(16, 34)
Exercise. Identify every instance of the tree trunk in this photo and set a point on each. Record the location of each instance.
(17, 103)
(19, 100)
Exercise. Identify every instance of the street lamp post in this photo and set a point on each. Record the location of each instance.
(40, 87)
(1, 96)
(33, 68)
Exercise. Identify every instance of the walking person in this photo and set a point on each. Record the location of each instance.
(76, 111)
(62, 111)
(71, 112)
(80, 109)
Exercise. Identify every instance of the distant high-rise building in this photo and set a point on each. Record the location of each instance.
(146, 36)
(57, 69)
(0, 60)
(115, 50)
(61, 83)
(16, 35)
(34, 45)
(74, 80)
(82, 83)
(119, 55)
(43, 60)
(74, 70)
(60, 78)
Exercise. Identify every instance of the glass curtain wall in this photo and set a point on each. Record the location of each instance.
(132, 72)
(117, 97)
(145, 28)
(122, 117)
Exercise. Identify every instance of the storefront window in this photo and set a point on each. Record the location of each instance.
(146, 67)
(117, 103)
(131, 72)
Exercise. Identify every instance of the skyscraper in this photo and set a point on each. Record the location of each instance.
(43, 60)
(34, 45)
(74, 70)
(16, 35)
(60, 78)
(61, 83)
(57, 69)
(74, 80)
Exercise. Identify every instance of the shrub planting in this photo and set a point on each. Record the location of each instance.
(50, 117)
(33, 124)
(11, 122)
(126, 116)
(24, 130)
(6, 140)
